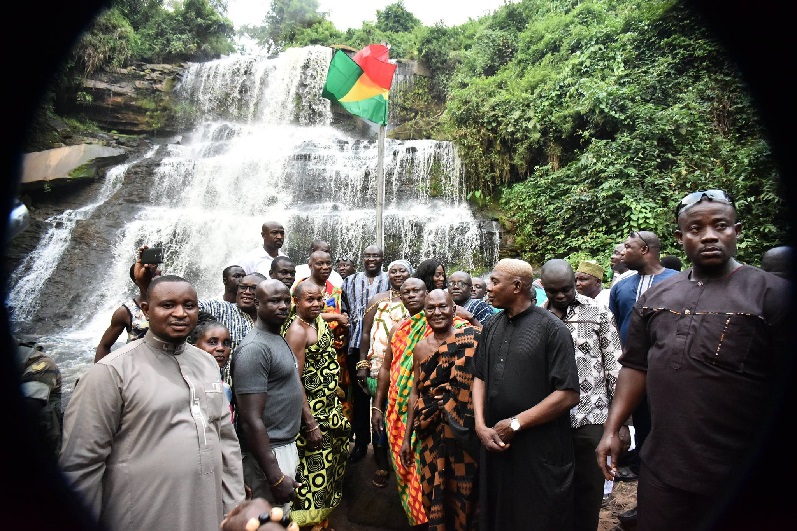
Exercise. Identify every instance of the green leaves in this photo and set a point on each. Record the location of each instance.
(605, 115)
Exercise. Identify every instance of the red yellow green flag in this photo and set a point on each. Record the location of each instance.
(361, 84)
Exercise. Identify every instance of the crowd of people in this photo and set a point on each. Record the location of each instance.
(501, 401)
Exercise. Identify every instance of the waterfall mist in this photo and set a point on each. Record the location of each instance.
(265, 147)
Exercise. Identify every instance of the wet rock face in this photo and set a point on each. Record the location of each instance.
(62, 166)
(133, 100)
(78, 278)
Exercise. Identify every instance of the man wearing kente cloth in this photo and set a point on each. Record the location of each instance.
(525, 382)
(441, 415)
(395, 382)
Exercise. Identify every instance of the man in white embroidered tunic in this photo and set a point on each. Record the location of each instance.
(148, 441)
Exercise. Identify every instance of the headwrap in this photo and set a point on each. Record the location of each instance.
(402, 262)
(591, 267)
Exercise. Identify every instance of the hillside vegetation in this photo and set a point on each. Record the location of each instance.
(577, 120)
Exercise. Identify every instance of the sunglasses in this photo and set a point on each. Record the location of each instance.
(635, 234)
(696, 197)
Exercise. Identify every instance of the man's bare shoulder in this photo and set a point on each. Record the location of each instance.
(296, 333)
(424, 348)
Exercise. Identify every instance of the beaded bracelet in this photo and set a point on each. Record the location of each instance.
(362, 364)
(277, 515)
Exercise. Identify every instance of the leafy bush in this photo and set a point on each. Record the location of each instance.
(601, 118)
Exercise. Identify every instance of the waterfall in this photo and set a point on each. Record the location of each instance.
(265, 147)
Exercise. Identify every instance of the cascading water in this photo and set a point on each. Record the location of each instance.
(265, 149)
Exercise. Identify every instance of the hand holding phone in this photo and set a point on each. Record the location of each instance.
(152, 255)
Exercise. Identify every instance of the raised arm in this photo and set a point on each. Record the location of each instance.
(120, 321)
(469, 317)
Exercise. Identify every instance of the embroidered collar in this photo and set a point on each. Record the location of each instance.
(164, 346)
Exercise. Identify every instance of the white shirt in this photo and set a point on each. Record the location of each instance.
(303, 271)
(602, 298)
(257, 260)
(617, 277)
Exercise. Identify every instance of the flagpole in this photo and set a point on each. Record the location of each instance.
(380, 188)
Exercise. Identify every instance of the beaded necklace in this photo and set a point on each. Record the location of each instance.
(311, 324)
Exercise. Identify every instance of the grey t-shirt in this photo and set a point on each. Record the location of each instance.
(264, 363)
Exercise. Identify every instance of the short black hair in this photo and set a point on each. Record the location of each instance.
(671, 262)
(226, 271)
(278, 260)
(204, 322)
(165, 278)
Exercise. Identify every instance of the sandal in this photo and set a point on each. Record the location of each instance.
(381, 479)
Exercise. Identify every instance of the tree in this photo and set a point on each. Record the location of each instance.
(601, 116)
(286, 18)
(396, 19)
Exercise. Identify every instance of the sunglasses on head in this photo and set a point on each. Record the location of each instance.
(696, 197)
(636, 234)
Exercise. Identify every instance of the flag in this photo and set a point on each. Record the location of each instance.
(361, 84)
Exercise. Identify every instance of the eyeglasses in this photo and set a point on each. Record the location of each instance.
(459, 283)
(696, 197)
(635, 234)
(247, 287)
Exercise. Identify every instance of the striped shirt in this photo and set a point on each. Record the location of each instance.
(480, 310)
(358, 292)
(238, 321)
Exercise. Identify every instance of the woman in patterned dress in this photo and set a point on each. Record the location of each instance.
(322, 461)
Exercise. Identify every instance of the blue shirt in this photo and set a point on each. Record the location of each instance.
(359, 290)
(625, 293)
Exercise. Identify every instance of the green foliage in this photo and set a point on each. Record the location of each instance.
(414, 109)
(322, 32)
(286, 19)
(108, 42)
(146, 31)
(194, 31)
(594, 118)
(396, 19)
(580, 119)
(437, 49)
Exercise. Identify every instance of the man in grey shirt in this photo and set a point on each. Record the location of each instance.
(269, 398)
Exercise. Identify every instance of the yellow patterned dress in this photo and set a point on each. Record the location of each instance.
(340, 335)
(321, 471)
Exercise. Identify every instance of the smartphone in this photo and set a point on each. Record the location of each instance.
(152, 255)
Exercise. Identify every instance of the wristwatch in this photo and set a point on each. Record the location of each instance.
(514, 423)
